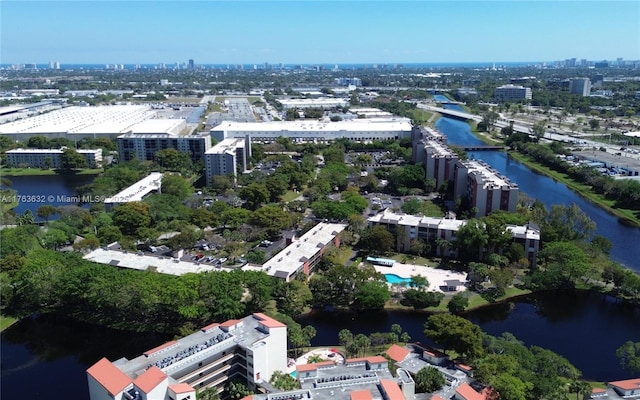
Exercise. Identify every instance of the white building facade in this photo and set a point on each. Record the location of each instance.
(227, 158)
(512, 92)
(314, 131)
(49, 158)
(580, 86)
(251, 348)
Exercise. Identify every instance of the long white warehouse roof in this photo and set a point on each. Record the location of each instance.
(366, 125)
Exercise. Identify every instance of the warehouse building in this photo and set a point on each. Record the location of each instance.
(364, 130)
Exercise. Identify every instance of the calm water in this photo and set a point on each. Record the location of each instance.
(625, 239)
(47, 357)
(58, 186)
(584, 328)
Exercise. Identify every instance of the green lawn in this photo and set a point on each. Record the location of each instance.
(6, 321)
(290, 196)
(43, 172)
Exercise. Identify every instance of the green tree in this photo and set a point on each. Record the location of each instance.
(173, 160)
(72, 160)
(272, 218)
(129, 217)
(284, 381)
(511, 387)
(594, 124)
(377, 239)
(458, 303)
(177, 186)
(371, 295)
(429, 380)
(255, 195)
(45, 211)
(345, 337)
(419, 299)
(455, 333)
(629, 355)
(237, 390)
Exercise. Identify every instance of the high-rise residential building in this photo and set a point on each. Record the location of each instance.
(191, 64)
(485, 188)
(512, 92)
(580, 86)
(227, 158)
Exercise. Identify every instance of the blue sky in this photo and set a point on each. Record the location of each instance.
(254, 32)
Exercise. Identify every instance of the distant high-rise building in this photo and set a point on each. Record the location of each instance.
(56, 65)
(581, 86)
(50, 64)
(570, 62)
(512, 92)
(597, 80)
(191, 64)
(602, 64)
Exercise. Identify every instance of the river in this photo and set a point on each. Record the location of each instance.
(625, 238)
(46, 357)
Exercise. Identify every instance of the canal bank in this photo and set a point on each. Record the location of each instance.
(623, 237)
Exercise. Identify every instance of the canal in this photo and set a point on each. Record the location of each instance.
(624, 238)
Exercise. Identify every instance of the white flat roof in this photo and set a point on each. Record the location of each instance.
(489, 176)
(227, 145)
(293, 257)
(50, 151)
(138, 190)
(81, 120)
(311, 126)
(165, 265)
(159, 126)
(632, 134)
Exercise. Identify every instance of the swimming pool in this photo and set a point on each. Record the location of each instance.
(393, 278)
(294, 373)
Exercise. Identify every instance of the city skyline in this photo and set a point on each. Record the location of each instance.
(309, 32)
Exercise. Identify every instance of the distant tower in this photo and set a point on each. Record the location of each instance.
(191, 64)
(56, 65)
(50, 64)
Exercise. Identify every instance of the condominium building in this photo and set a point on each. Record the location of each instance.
(315, 131)
(365, 378)
(409, 227)
(512, 92)
(580, 86)
(251, 349)
(227, 158)
(136, 192)
(49, 158)
(485, 188)
(303, 254)
(439, 162)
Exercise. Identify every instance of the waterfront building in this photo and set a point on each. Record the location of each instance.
(618, 390)
(485, 188)
(136, 192)
(366, 378)
(363, 130)
(407, 227)
(303, 254)
(439, 162)
(251, 349)
(580, 86)
(49, 158)
(227, 157)
(512, 92)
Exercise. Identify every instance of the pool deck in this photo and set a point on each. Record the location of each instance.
(436, 277)
(322, 352)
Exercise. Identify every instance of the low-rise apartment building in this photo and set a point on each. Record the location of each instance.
(409, 227)
(49, 158)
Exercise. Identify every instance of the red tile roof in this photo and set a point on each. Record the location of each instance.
(313, 366)
(435, 353)
(161, 347)
(150, 379)
(598, 390)
(627, 384)
(179, 388)
(361, 395)
(468, 393)
(249, 397)
(372, 359)
(397, 353)
(208, 327)
(464, 367)
(392, 390)
(268, 321)
(230, 323)
(109, 376)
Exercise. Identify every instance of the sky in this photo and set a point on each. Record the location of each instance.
(309, 32)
